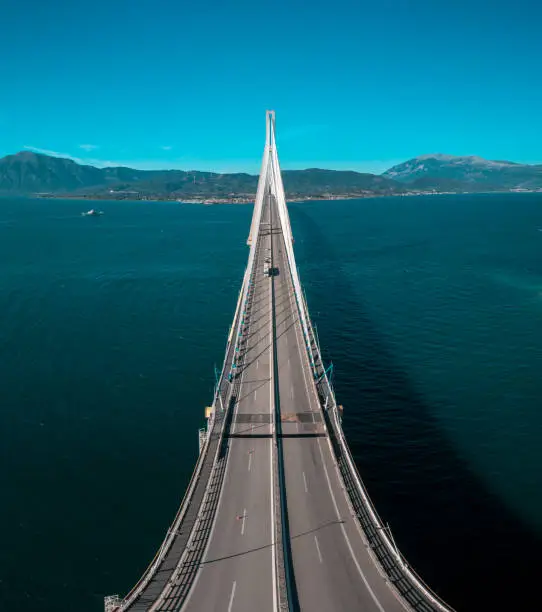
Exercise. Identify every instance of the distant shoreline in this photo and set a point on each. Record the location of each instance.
(245, 199)
(206, 201)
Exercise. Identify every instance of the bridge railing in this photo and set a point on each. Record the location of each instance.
(223, 389)
(220, 398)
(172, 531)
(183, 574)
(379, 534)
(413, 589)
(148, 574)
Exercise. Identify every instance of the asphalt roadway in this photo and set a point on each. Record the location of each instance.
(332, 568)
(237, 572)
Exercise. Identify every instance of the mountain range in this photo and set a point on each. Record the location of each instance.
(451, 173)
(28, 173)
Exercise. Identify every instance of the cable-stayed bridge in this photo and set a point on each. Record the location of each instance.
(276, 516)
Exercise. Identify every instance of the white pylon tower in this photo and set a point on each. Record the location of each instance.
(270, 183)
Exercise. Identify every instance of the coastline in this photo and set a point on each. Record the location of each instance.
(245, 199)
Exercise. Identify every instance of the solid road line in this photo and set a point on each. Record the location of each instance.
(354, 558)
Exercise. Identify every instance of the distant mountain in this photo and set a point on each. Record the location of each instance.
(28, 173)
(450, 173)
(31, 173)
(320, 182)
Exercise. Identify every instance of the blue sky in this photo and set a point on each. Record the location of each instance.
(357, 85)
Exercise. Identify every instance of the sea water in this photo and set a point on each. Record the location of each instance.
(429, 308)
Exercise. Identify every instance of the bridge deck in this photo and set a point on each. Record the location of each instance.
(267, 522)
(240, 551)
(332, 568)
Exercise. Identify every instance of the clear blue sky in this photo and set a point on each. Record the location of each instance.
(360, 85)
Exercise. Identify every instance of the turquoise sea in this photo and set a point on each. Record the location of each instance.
(430, 309)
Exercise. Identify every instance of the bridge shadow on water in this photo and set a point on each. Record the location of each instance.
(454, 531)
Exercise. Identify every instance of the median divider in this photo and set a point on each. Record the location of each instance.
(287, 591)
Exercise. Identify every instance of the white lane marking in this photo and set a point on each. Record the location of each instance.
(288, 362)
(243, 522)
(230, 605)
(305, 481)
(249, 461)
(318, 549)
(354, 558)
(291, 392)
(257, 363)
(255, 393)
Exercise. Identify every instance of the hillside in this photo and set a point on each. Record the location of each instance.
(32, 173)
(29, 173)
(449, 173)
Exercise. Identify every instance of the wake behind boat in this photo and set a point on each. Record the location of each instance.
(92, 213)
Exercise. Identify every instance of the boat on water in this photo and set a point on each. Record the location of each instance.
(92, 213)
